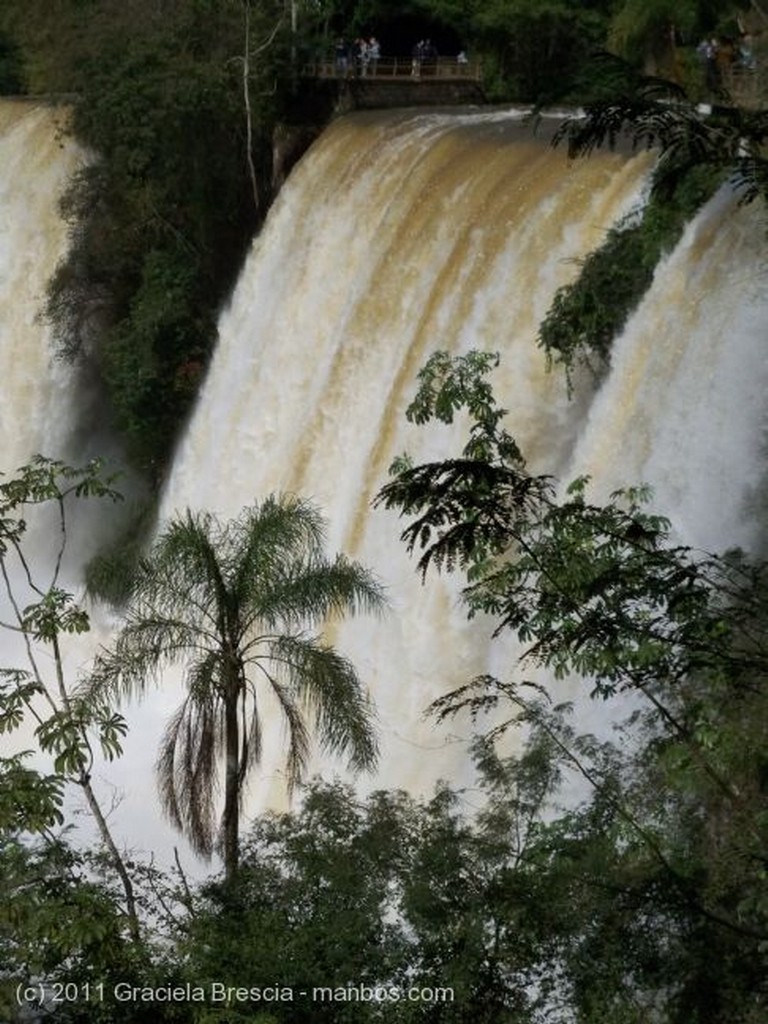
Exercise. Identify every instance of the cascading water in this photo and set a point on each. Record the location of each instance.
(685, 406)
(398, 235)
(44, 399)
(35, 165)
(401, 233)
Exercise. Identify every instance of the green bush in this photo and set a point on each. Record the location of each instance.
(588, 314)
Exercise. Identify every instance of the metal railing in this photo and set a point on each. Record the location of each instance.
(748, 87)
(396, 68)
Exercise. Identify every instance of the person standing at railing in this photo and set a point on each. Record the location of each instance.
(707, 54)
(362, 57)
(746, 56)
(341, 57)
(374, 53)
(429, 57)
(417, 55)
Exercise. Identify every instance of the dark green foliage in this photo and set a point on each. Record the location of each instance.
(29, 802)
(600, 594)
(308, 906)
(586, 316)
(160, 226)
(642, 31)
(390, 894)
(698, 153)
(62, 938)
(535, 51)
(52, 917)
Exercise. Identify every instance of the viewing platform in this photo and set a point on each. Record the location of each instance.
(399, 82)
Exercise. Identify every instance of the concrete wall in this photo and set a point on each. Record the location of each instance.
(359, 94)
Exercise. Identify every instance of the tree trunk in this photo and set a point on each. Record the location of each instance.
(231, 819)
(248, 116)
(101, 822)
(247, 100)
(117, 861)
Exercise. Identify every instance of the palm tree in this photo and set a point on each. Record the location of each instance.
(237, 604)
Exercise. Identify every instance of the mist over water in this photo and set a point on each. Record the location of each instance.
(405, 232)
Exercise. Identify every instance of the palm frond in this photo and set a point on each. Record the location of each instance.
(296, 728)
(202, 678)
(142, 650)
(309, 590)
(280, 531)
(181, 577)
(251, 733)
(329, 687)
(187, 770)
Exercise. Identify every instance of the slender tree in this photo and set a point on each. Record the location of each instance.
(36, 607)
(237, 604)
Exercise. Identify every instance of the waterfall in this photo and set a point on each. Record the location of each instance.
(45, 401)
(400, 233)
(36, 163)
(403, 233)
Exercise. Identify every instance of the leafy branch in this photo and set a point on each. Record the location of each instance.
(64, 731)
